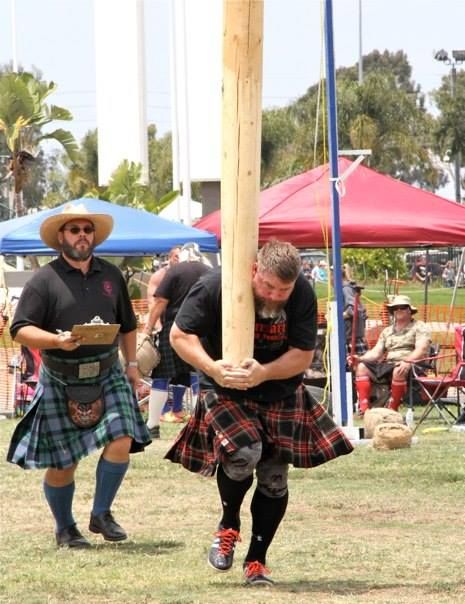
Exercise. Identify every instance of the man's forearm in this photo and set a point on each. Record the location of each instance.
(190, 349)
(35, 337)
(291, 363)
(155, 312)
(128, 344)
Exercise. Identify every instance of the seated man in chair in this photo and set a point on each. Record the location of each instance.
(399, 345)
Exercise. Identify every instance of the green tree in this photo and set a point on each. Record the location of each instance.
(160, 163)
(449, 134)
(83, 172)
(385, 114)
(23, 113)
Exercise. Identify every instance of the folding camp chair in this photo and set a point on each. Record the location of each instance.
(436, 387)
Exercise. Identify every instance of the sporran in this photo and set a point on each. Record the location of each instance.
(85, 404)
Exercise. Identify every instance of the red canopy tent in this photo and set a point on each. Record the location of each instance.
(375, 211)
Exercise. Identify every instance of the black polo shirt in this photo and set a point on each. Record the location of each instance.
(59, 296)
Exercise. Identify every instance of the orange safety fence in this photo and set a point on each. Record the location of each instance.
(140, 308)
(9, 358)
(439, 317)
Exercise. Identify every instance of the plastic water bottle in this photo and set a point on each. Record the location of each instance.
(410, 418)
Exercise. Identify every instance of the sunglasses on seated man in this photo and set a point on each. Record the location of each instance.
(401, 307)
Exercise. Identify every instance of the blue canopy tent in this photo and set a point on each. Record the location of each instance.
(135, 232)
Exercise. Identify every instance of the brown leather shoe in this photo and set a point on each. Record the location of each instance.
(71, 537)
(105, 524)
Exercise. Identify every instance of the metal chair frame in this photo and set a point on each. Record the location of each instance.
(435, 387)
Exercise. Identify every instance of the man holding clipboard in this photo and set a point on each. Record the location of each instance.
(72, 310)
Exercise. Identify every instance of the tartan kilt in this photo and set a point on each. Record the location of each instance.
(297, 429)
(170, 363)
(46, 437)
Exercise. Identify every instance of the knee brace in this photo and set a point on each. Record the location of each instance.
(242, 463)
(272, 478)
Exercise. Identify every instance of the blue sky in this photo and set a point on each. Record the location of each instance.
(57, 36)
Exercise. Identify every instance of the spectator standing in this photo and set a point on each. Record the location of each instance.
(320, 272)
(167, 300)
(355, 316)
(448, 274)
(421, 271)
(157, 276)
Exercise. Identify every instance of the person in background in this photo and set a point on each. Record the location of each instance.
(168, 297)
(421, 271)
(320, 272)
(255, 417)
(399, 345)
(352, 302)
(307, 267)
(157, 276)
(59, 429)
(448, 274)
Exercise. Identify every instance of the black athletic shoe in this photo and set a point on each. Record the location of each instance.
(221, 554)
(256, 573)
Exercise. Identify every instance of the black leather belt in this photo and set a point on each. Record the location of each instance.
(80, 370)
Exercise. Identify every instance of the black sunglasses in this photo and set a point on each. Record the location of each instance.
(401, 307)
(75, 230)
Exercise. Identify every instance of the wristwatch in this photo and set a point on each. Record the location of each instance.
(132, 364)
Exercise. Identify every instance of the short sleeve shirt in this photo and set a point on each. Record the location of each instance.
(59, 296)
(294, 327)
(176, 284)
(397, 345)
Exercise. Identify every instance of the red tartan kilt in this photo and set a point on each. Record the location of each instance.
(298, 429)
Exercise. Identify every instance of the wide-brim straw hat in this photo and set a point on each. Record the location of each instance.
(103, 224)
(401, 300)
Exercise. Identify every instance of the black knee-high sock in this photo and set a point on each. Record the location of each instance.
(232, 493)
(267, 513)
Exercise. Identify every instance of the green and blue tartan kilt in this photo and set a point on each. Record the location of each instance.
(297, 429)
(170, 363)
(46, 437)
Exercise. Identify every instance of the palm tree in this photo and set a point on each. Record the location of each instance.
(23, 112)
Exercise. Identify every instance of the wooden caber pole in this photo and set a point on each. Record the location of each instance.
(240, 180)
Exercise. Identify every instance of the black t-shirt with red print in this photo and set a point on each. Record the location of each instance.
(59, 296)
(294, 327)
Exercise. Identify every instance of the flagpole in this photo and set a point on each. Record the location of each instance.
(338, 375)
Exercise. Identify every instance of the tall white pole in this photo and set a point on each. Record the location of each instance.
(174, 104)
(14, 47)
(360, 50)
(183, 108)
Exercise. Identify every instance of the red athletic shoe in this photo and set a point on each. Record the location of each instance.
(221, 554)
(256, 573)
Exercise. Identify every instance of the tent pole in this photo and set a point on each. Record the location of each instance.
(457, 279)
(338, 374)
(425, 293)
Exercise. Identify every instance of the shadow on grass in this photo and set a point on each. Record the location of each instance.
(143, 547)
(345, 588)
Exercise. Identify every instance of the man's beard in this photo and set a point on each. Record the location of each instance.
(74, 253)
(266, 309)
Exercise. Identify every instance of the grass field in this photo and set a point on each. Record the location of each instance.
(371, 527)
(375, 292)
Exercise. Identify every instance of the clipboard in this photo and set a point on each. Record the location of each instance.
(93, 334)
